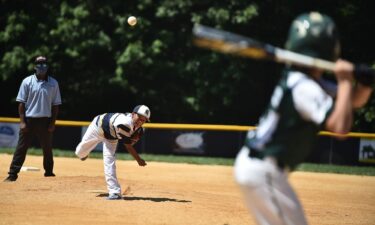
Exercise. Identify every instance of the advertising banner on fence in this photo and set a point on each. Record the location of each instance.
(193, 142)
(9, 134)
(189, 142)
(367, 150)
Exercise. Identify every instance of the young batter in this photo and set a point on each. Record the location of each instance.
(300, 106)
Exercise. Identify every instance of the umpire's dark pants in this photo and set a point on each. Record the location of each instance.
(37, 127)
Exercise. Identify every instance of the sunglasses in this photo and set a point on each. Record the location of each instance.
(41, 66)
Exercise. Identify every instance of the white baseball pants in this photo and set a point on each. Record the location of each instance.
(91, 138)
(267, 192)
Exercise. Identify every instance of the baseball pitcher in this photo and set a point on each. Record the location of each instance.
(112, 129)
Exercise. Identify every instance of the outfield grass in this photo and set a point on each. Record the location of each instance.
(321, 168)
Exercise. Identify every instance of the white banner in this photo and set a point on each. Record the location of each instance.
(367, 150)
(9, 134)
(190, 142)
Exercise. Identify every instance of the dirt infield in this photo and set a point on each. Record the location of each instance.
(165, 193)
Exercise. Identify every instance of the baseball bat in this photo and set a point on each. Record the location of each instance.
(230, 43)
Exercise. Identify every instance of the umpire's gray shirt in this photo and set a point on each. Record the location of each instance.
(39, 96)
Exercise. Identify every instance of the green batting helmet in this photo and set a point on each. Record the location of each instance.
(315, 35)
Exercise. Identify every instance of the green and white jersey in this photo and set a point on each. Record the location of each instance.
(289, 127)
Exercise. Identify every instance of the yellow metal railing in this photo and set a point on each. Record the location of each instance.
(177, 126)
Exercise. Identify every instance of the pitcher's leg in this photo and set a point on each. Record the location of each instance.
(90, 139)
(109, 157)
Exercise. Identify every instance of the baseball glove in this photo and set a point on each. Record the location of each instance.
(136, 136)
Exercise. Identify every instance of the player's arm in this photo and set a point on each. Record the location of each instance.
(22, 99)
(126, 141)
(22, 114)
(54, 113)
(135, 155)
(341, 118)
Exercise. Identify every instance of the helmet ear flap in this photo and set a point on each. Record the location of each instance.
(315, 35)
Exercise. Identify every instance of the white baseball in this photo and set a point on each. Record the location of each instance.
(132, 20)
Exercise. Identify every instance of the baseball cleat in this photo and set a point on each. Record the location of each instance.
(49, 174)
(114, 196)
(10, 178)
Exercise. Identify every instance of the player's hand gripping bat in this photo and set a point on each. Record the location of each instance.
(230, 43)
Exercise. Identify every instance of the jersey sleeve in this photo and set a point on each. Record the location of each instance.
(23, 92)
(123, 127)
(57, 95)
(312, 102)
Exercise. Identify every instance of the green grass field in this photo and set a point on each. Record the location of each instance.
(321, 168)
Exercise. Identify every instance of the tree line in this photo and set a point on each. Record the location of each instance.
(104, 65)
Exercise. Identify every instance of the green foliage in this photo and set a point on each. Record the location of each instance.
(15, 59)
(366, 117)
(103, 64)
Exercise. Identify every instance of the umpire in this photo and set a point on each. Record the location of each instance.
(39, 98)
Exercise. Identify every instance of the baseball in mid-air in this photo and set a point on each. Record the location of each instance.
(132, 20)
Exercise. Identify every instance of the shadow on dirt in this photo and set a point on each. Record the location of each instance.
(135, 198)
